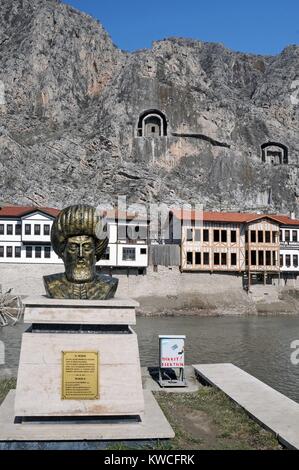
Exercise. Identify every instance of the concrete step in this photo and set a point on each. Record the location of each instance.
(273, 410)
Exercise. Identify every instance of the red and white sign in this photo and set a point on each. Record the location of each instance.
(172, 351)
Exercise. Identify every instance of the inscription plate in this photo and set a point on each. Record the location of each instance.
(80, 375)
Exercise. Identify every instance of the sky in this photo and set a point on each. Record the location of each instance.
(256, 26)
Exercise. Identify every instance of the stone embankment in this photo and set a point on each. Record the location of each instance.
(170, 292)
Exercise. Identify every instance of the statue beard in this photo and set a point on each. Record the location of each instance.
(80, 272)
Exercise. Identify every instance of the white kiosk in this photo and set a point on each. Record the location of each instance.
(172, 361)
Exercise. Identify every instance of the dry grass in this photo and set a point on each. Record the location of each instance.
(206, 419)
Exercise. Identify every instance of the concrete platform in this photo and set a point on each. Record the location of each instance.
(273, 410)
(150, 378)
(116, 311)
(154, 426)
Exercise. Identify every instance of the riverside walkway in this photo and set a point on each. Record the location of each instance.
(273, 410)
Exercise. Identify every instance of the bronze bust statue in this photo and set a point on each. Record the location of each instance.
(79, 237)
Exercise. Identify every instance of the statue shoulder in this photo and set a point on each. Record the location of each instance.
(107, 284)
(106, 278)
(54, 283)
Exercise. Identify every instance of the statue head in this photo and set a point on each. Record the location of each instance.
(79, 238)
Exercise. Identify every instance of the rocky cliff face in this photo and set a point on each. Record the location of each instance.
(69, 117)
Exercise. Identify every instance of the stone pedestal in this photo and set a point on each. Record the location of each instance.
(59, 326)
(38, 410)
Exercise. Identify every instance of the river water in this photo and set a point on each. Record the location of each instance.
(260, 345)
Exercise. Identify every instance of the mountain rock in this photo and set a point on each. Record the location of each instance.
(72, 101)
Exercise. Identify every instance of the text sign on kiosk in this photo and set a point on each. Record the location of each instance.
(172, 351)
(172, 356)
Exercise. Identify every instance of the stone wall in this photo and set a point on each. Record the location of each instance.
(26, 279)
(161, 291)
(168, 291)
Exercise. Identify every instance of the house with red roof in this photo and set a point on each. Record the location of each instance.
(25, 237)
(250, 244)
(25, 234)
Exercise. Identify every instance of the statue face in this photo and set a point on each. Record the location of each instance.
(80, 259)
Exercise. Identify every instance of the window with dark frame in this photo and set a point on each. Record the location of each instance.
(36, 229)
(38, 251)
(27, 229)
(253, 236)
(223, 236)
(9, 251)
(216, 235)
(288, 261)
(233, 236)
(295, 261)
(261, 257)
(274, 258)
(47, 252)
(268, 258)
(189, 234)
(233, 259)
(295, 236)
(223, 259)
(46, 230)
(206, 235)
(28, 251)
(1, 251)
(129, 254)
(206, 259)
(253, 258)
(260, 236)
(216, 259)
(18, 229)
(287, 236)
(143, 251)
(1, 229)
(197, 257)
(189, 257)
(267, 236)
(281, 261)
(18, 252)
(9, 229)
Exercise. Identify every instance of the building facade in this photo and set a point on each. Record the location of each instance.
(25, 235)
(260, 247)
(289, 248)
(128, 242)
(25, 238)
(238, 242)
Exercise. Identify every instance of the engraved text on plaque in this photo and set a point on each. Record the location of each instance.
(80, 375)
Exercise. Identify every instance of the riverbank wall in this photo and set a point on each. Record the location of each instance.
(168, 291)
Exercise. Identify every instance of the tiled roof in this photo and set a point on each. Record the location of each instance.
(232, 217)
(285, 220)
(20, 211)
